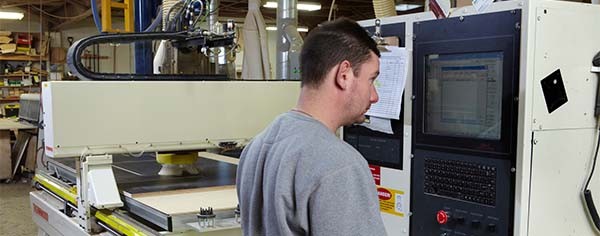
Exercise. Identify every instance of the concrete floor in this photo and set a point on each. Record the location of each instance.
(15, 212)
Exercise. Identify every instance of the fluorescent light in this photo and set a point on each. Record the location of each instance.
(6, 15)
(270, 5)
(407, 7)
(303, 6)
(300, 29)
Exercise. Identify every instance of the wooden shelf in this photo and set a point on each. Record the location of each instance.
(12, 57)
(94, 57)
(21, 75)
(9, 99)
(28, 86)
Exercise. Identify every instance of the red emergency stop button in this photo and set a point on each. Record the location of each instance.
(442, 217)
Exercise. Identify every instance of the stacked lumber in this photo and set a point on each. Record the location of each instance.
(6, 45)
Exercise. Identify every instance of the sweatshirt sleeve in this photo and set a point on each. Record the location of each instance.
(345, 203)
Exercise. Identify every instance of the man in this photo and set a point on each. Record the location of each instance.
(297, 177)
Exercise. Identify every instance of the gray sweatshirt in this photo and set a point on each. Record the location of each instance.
(298, 178)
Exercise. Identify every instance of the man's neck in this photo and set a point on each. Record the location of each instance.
(320, 108)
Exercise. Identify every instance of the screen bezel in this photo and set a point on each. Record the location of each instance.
(504, 44)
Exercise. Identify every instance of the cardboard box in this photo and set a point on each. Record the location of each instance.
(463, 3)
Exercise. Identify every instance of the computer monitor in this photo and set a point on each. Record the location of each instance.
(464, 95)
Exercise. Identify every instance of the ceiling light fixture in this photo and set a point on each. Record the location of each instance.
(7, 15)
(300, 29)
(407, 7)
(302, 6)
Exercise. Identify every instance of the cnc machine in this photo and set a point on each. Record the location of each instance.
(131, 154)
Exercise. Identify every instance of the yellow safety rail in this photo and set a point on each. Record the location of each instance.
(67, 194)
(117, 223)
(105, 216)
(107, 7)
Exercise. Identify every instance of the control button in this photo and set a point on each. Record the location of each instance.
(475, 223)
(442, 217)
(491, 227)
(460, 219)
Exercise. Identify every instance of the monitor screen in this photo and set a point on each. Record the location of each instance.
(464, 95)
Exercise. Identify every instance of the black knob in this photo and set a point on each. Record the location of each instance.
(475, 223)
(491, 227)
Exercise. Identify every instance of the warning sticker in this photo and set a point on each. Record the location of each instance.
(40, 212)
(390, 201)
(376, 172)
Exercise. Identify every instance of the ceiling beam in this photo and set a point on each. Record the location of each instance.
(34, 12)
(30, 2)
(75, 19)
(83, 4)
(55, 8)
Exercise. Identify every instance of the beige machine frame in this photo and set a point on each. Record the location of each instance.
(133, 117)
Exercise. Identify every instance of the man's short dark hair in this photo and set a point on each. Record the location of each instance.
(330, 44)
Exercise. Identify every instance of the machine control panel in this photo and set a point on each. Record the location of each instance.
(460, 194)
(465, 121)
(458, 222)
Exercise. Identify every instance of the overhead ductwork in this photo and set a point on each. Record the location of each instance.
(256, 55)
(170, 6)
(384, 8)
(289, 41)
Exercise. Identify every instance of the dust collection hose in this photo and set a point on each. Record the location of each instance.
(384, 8)
(587, 194)
(591, 208)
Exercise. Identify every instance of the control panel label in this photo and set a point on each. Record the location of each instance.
(40, 212)
(376, 172)
(391, 201)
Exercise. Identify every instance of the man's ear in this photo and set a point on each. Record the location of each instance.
(342, 77)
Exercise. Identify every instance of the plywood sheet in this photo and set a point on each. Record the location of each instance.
(7, 124)
(31, 154)
(190, 200)
(5, 161)
(217, 157)
(18, 151)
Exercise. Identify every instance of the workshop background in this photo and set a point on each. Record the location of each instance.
(35, 36)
